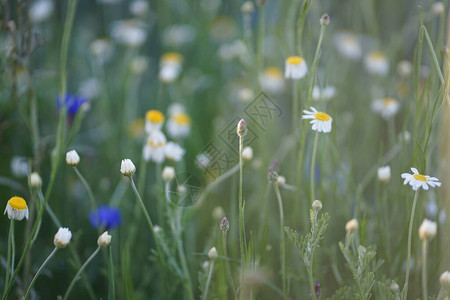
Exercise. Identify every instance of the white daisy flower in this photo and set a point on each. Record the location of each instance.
(348, 45)
(154, 120)
(131, 33)
(321, 121)
(72, 158)
(325, 93)
(272, 80)
(427, 230)
(62, 237)
(179, 125)
(139, 8)
(376, 63)
(127, 167)
(102, 50)
(40, 11)
(386, 107)
(154, 148)
(170, 67)
(17, 208)
(417, 180)
(173, 151)
(295, 67)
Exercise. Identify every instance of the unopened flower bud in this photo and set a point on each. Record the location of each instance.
(281, 180)
(317, 205)
(241, 129)
(218, 212)
(168, 174)
(62, 238)
(394, 287)
(384, 174)
(351, 226)
(212, 254)
(325, 20)
(247, 7)
(224, 224)
(104, 239)
(35, 180)
(445, 278)
(427, 230)
(72, 158)
(247, 154)
(127, 167)
(437, 8)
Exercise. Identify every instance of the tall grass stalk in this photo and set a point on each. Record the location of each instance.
(424, 269)
(208, 281)
(9, 267)
(408, 259)
(313, 165)
(282, 241)
(242, 238)
(39, 272)
(227, 264)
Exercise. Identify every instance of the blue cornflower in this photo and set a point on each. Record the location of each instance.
(105, 217)
(73, 103)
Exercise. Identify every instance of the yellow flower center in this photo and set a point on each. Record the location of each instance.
(17, 203)
(172, 57)
(377, 55)
(388, 101)
(420, 177)
(182, 119)
(154, 116)
(273, 72)
(155, 145)
(321, 116)
(349, 40)
(294, 60)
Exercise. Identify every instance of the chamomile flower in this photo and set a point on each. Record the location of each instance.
(173, 151)
(272, 80)
(170, 67)
(62, 237)
(131, 33)
(139, 8)
(348, 45)
(154, 148)
(179, 125)
(376, 63)
(16, 208)
(295, 67)
(321, 121)
(101, 50)
(417, 180)
(154, 120)
(386, 107)
(40, 11)
(325, 93)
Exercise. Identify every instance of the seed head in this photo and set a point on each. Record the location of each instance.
(241, 129)
(224, 224)
(325, 20)
(317, 205)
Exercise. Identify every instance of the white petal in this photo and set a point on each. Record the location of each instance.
(406, 175)
(414, 170)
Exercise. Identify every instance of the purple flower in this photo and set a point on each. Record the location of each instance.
(105, 217)
(72, 103)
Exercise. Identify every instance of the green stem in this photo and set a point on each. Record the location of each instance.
(241, 216)
(295, 105)
(311, 281)
(39, 272)
(208, 281)
(88, 188)
(8, 259)
(411, 221)
(313, 162)
(314, 66)
(227, 263)
(65, 47)
(75, 279)
(424, 269)
(282, 241)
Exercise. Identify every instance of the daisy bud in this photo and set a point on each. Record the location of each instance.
(156, 229)
(224, 224)
(35, 180)
(427, 230)
(127, 167)
(247, 7)
(168, 174)
(62, 237)
(437, 8)
(104, 239)
(445, 278)
(212, 254)
(241, 128)
(281, 180)
(384, 174)
(325, 20)
(404, 68)
(351, 226)
(394, 287)
(317, 205)
(247, 154)
(72, 158)
(218, 212)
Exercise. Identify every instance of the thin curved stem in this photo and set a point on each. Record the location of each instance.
(227, 263)
(208, 281)
(282, 241)
(313, 163)
(39, 272)
(8, 259)
(88, 188)
(241, 214)
(424, 270)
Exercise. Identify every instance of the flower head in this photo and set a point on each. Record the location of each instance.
(154, 120)
(224, 224)
(247, 153)
(351, 226)
(317, 205)
(321, 121)
(295, 67)
(179, 125)
(127, 167)
(104, 240)
(427, 230)
(170, 67)
(35, 180)
(376, 63)
(445, 278)
(16, 208)
(173, 151)
(72, 103)
(72, 158)
(154, 149)
(417, 180)
(241, 128)
(272, 80)
(384, 174)
(168, 173)
(348, 45)
(105, 217)
(62, 237)
(386, 107)
(212, 254)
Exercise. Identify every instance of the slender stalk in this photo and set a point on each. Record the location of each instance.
(261, 27)
(227, 263)
(39, 272)
(208, 281)
(314, 65)
(295, 105)
(313, 162)
(408, 260)
(77, 276)
(241, 216)
(424, 270)
(282, 241)
(311, 281)
(8, 259)
(88, 188)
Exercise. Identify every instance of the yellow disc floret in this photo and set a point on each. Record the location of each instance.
(182, 119)
(420, 177)
(294, 60)
(273, 72)
(321, 116)
(377, 55)
(172, 57)
(17, 203)
(388, 101)
(154, 116)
